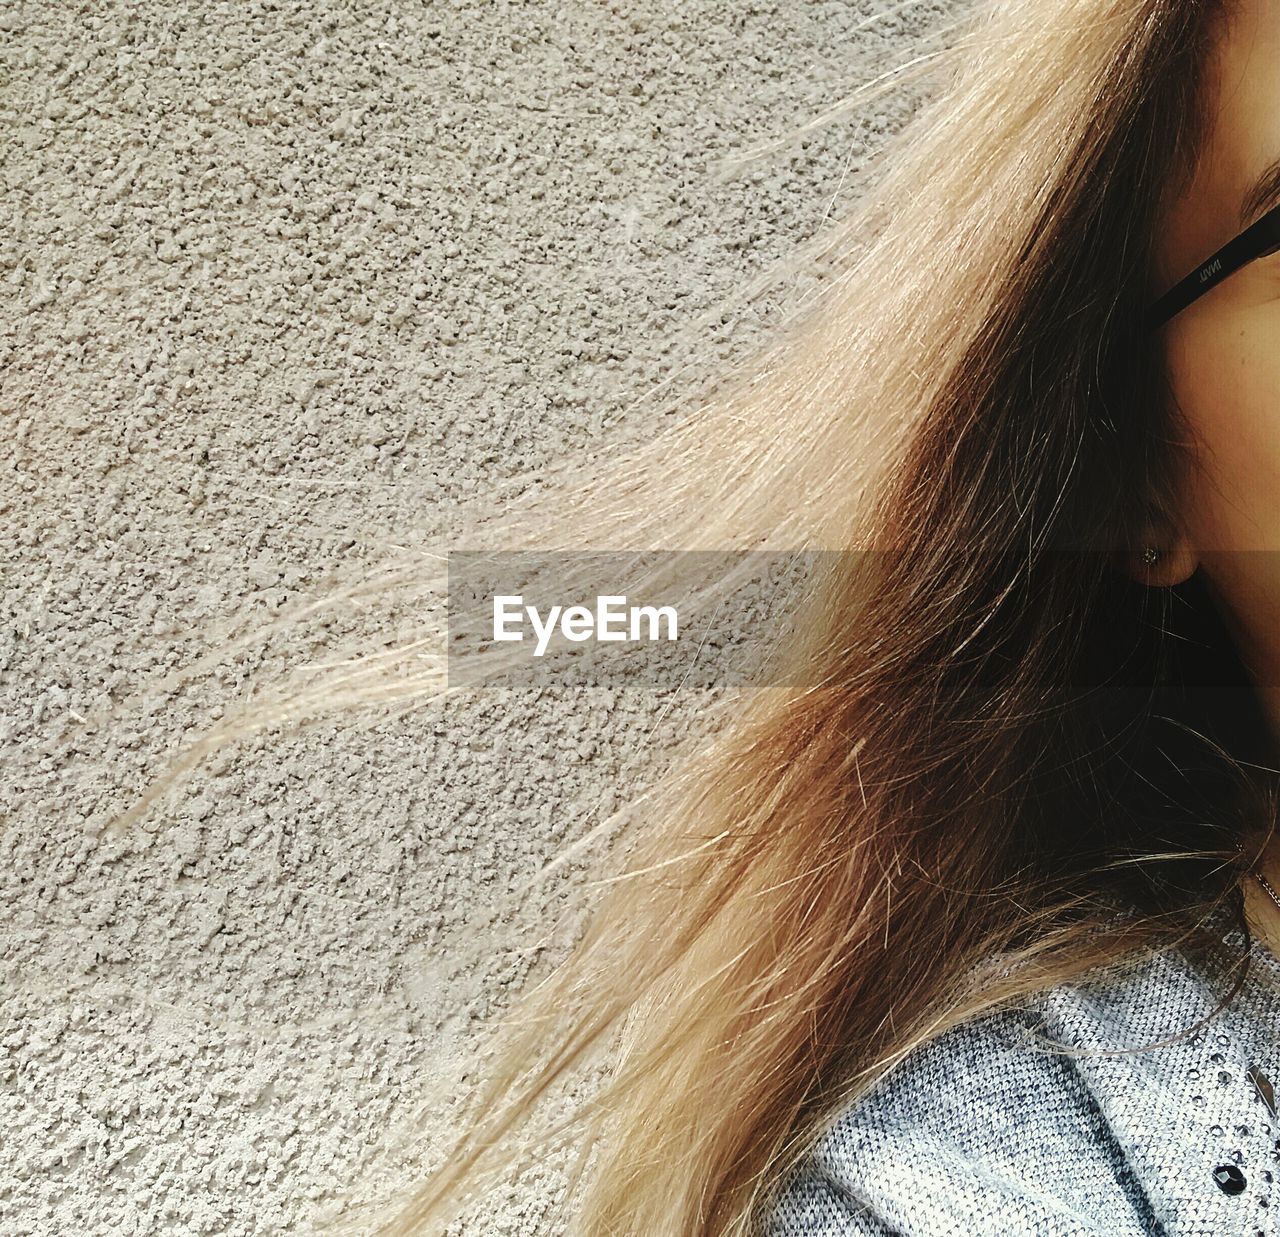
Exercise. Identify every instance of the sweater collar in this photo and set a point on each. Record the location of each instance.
(1191, 1115)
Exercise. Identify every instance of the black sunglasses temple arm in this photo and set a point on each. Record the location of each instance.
(1259, 238)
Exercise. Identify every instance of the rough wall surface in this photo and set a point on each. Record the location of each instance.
(279, 283)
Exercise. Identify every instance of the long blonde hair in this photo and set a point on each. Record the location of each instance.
(988, 738)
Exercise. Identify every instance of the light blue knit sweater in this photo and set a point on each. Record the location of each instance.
(985, 1132)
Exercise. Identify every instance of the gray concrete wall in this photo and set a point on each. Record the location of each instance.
(279, 284)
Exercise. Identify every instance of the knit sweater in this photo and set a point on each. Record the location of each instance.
(986, 1130)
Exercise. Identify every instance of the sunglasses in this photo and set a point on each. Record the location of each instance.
(1256, 241)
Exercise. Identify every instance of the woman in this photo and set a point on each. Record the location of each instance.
(1024, 791)
(979, 1131)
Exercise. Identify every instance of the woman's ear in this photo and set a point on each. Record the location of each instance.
(1161, 556)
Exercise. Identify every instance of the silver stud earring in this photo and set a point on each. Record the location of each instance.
(1151, 555)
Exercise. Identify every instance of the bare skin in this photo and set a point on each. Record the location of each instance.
(1223, 355)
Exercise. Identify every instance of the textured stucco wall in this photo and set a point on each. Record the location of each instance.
(278, 283)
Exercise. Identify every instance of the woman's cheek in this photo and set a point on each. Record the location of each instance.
(1233, 409)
